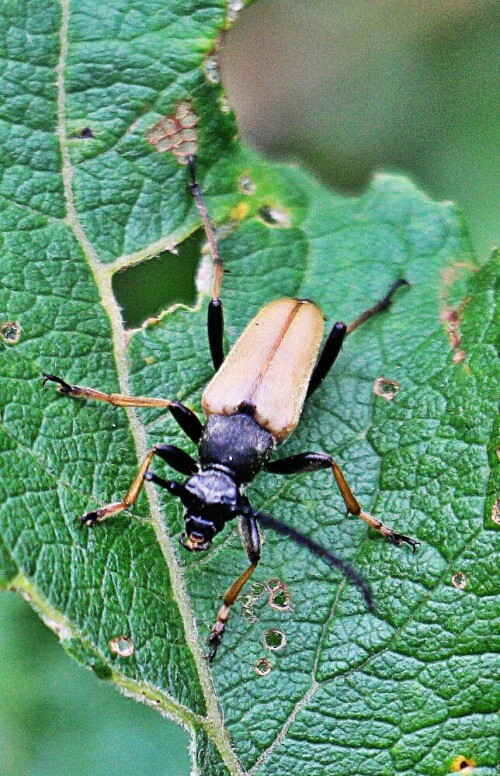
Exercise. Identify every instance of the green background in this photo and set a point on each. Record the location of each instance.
(418, 99)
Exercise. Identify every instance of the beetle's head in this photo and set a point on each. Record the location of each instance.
(211, 498)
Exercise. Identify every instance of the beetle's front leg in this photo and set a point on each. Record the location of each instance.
(251, 542)
(186, 418)
(177, 458)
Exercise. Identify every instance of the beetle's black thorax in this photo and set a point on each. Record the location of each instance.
(236, 442)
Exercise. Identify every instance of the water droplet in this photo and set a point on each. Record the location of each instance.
(123, 646)
(385, 388)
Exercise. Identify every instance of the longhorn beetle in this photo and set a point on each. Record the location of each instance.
(252, 404)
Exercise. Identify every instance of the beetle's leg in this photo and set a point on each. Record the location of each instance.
(327, 357)
(187, 420)
(177, 458)
(333, 344)
(308, 462)
(215, 321)
(384, 304)
(251, 543)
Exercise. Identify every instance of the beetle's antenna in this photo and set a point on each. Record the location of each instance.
(348, 571)
(215, 314)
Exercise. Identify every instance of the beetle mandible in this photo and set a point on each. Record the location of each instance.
(252, 404)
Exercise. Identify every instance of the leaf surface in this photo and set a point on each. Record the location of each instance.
(406, 689)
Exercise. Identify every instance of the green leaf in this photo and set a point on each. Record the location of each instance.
(407, 689)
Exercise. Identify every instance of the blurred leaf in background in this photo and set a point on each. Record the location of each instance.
(57, 720)
(354, 88)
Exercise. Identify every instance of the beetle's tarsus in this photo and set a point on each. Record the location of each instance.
(89, 519)
(62, 385)
(399, 539)
(214, 641)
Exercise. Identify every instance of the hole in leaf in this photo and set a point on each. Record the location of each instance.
(275, 216)
(279, 595)
(257, 589)
(211, 68)
(145, 290)
(274, 640)
(459, 580)
(385, 388)
(462, 764)
(262, 667)
(246, 185)
(10, 332)
(233, 9)
(123, 646)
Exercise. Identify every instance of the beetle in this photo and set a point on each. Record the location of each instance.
(252, 405)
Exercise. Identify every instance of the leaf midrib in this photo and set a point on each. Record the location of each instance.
(213, 722)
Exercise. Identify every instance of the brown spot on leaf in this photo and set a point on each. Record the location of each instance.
(176, 133)
(451, 319)
(451, 273)
(459, 356)
(495, 513)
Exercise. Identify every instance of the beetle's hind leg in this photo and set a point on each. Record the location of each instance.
(251, 543)
(308, 462)
(215, 320)
(116, 399)
(379, 307)
(339, 332)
